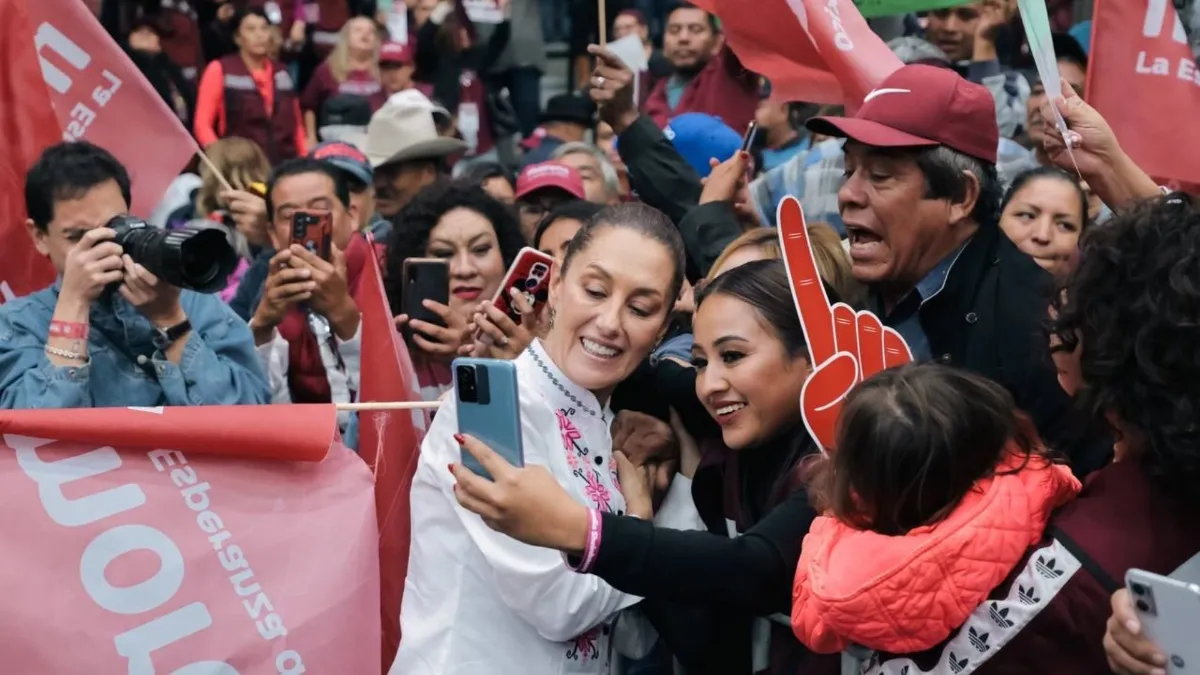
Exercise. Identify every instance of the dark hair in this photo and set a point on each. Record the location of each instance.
(302, 165)
(712, 18)
(943, 169)
(235, 21)
(764, 285)
(576, 209)
(410, 233)
(1067, 48)
(913, 441)
(1051, 172)
(480, 173)
(67, 171)
(646, 221)
(1131, 307)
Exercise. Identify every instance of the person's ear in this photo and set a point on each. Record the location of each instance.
(962, 209)
(39, 237)
(555, 285)
(718, 43)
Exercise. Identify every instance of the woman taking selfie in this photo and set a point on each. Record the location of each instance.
(707, 593)
(475, 597)
(478, 237)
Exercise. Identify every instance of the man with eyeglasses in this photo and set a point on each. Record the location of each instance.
(542, 188)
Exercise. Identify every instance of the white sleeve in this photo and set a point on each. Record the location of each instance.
(274, 356)
(351, 353)
(678, 509)
(634, 636)
(534, 582)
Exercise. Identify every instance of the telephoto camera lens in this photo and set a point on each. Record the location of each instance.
(197, 257)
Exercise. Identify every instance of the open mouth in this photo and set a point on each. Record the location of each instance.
(599, 350)
(727, 411)
(862, 241)
(467, 293)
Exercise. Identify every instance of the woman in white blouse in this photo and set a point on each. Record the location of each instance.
(477, 601)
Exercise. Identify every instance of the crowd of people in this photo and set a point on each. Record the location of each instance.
(976, 510)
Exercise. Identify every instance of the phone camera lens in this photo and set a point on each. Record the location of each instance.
(1137, 589)
(1142, 606)
(467, 389)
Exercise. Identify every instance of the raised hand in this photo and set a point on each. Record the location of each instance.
(844, 347)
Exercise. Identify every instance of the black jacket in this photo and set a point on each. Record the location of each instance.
(662, 178)
(989, 318)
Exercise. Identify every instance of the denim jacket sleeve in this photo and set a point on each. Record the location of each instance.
(220, 365)
(27, 378)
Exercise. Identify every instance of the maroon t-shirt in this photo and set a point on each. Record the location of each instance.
(324, 86)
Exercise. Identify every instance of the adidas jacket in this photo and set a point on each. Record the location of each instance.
(1048, 617)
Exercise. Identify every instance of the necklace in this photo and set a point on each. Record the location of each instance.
(565, 392)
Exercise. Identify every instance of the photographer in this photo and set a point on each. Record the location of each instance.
(108, 332)
(306, 325)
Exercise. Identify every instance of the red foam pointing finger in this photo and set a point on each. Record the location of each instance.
(807, 290)
(895, 350)
(870, 344)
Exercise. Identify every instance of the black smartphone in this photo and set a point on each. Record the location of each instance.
(748, 147)
(425, 279)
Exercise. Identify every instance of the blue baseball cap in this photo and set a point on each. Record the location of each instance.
(699, 138)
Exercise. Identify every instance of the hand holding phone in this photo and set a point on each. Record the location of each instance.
(425, 279)
(488, 404)
(528, 276)
(1169, 611)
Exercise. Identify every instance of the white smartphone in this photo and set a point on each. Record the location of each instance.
(1169, 611)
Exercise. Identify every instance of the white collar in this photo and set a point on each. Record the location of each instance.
(555, 380)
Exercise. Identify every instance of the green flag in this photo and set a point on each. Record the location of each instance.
(873, 8)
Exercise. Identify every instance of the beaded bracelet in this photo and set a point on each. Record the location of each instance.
(62, 353)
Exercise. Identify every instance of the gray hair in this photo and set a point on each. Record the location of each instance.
(944, 167)
(612, 182)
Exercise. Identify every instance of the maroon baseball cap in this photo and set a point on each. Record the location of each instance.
(394, 53)
(922, 106)
(550, 175)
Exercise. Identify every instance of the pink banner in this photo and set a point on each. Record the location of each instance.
(147, 561)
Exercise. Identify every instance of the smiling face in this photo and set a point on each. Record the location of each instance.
(1044, 219)
(745, 377)
(896, 233)
(611, 306)
(468, 241)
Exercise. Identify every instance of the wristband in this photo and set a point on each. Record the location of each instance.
(593, 543)
(69, 329)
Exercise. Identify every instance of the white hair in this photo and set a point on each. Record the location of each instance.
(612, 182)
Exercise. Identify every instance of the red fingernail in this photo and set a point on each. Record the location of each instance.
(450, 468)
(460, 439)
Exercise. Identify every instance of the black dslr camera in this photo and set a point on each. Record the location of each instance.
(195, 257)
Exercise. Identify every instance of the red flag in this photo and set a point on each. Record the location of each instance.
(63, 77)
(300, 433)
(389, 441)
(821, 51)
(1144, 80)
(26, 130)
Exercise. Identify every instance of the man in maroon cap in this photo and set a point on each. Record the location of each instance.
(541, 188)
(396, 67)
(921, 206)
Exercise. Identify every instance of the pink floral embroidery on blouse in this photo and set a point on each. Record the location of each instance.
(569, 435)
(584, 648)
(596, 492)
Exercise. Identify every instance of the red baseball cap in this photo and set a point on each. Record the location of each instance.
(922, 106)
(550, 175)
(394, 53)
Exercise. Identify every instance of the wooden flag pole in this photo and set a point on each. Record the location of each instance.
(603, 24)
(390, 405)
(217, 172)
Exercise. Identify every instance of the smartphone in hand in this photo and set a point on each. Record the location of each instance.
(530, 276)
(1169, 611)
(314, 231)
(425, 279)
(489, 408)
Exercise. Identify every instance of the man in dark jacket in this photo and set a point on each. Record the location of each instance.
(921, 204)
